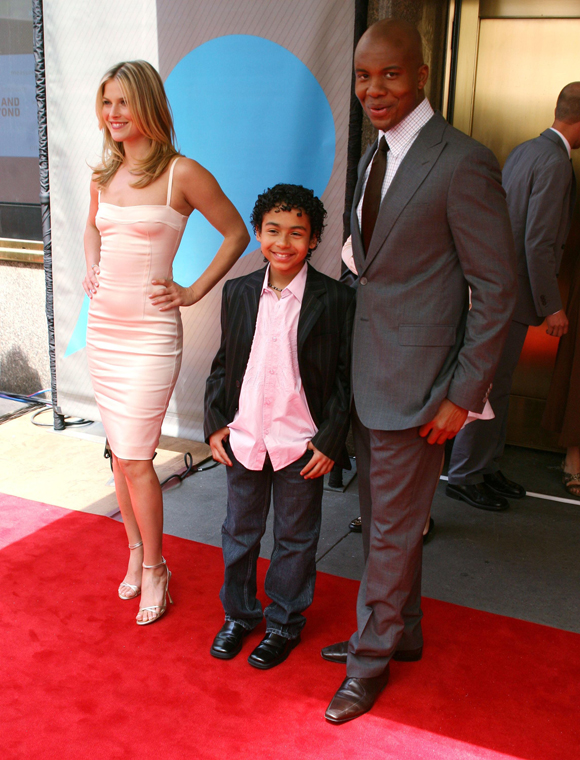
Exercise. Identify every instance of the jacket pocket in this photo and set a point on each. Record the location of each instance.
(427, 335)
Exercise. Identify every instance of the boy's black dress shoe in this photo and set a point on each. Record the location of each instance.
(355, 697)
(338, 653)
(272, 650)
(501, 485)
(228, 641)
(478, 495)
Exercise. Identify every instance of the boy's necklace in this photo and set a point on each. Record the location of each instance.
(274, 287)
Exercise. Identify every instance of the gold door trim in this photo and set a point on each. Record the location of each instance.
(529, 9)
(466, 65)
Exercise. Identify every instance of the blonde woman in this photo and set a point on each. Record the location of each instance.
(141, 196)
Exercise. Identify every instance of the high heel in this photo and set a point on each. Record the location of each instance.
(161, 607)
(136, 589)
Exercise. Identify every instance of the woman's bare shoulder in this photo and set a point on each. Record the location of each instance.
(186, 169)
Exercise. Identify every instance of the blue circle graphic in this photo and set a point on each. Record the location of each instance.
(254, 115)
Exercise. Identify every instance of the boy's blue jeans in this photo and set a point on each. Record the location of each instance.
(292, 572)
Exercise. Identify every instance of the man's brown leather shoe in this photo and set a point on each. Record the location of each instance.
(355, 697)
(338, 653)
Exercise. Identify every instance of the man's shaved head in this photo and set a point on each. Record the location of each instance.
(398, 33)
(568, 105)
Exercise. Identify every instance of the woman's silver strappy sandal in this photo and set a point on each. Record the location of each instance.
(135, 589)
(161, 607)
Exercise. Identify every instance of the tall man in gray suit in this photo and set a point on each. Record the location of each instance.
(541, 190)
(429, 221)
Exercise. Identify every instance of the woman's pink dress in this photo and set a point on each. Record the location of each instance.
(134, 350)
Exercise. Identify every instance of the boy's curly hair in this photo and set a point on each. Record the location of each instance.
(286, 198)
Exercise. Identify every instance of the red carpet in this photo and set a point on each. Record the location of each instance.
(78, 678)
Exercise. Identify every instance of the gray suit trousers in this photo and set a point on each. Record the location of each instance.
(398, 472)
(478, 448)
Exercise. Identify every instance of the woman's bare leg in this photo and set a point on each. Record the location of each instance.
(572, 461)
(134, 570)
(147, 503)
(572, 467)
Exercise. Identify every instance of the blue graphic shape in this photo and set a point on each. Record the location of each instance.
(18, 120)
(254, 115)
(78, 339)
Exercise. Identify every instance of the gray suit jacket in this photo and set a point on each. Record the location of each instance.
(443, 226)
(540, 187)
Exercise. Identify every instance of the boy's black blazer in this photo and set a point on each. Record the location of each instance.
(324, 340)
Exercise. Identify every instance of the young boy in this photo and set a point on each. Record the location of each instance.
(277, 413)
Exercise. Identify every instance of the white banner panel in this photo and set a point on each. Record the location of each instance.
(81, 41)
(260, 91)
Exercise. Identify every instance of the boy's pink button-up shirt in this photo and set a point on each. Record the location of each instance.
(273, 415)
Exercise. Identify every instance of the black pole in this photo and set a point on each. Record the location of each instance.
(453, 62)
(39, 72)
(355, 123)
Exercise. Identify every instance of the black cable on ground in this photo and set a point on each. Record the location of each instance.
(190, 468)
(18, 413)
(30, 404)
(67, 421)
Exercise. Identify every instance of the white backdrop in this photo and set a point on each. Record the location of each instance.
(81, 42)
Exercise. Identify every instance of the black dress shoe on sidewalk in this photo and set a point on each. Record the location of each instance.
(272, 650)
(355, 697)
(430, 531)
(478, 495)
(502, 486)
(338, 653)
(355, 526)
(228, 642)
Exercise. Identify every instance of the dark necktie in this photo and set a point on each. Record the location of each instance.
(372, 196)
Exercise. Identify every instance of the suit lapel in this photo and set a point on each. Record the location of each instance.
(251, 298)
(312, 305)
(355, 232)
(414, 168)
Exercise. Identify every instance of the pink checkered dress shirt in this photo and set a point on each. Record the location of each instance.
(273, 415)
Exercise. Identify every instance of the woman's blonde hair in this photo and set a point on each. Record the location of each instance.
(146, 99)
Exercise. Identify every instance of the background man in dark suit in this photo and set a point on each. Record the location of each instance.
(429, 221)
(541, 190)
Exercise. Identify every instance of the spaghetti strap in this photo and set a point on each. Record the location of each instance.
(170, 183)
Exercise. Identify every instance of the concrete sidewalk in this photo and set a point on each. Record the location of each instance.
(523, 563)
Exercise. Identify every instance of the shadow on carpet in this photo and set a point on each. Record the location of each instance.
(80, 679)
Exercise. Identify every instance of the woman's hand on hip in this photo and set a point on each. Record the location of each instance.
(90, 283)
(170, 295)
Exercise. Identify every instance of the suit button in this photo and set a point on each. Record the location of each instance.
(237, 383)
(363, 280)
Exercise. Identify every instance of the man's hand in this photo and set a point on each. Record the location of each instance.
(557, 324)
(319, 465)
(446, 424)
(90, 283)
(216, 442)
(171, 295)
